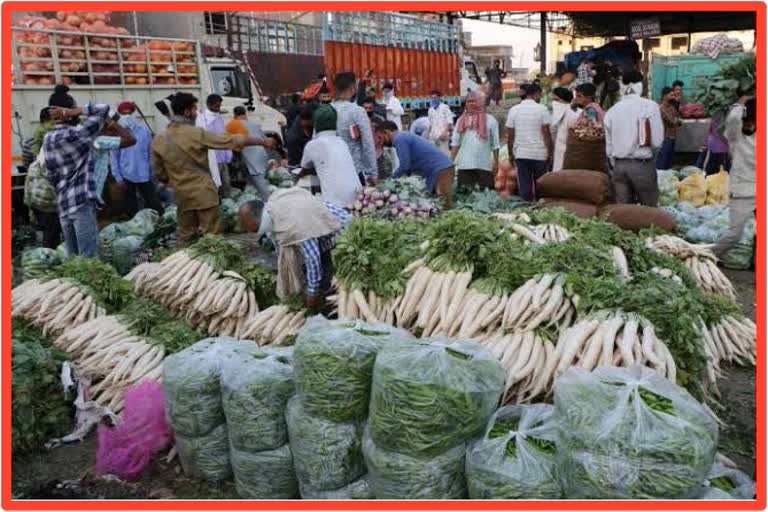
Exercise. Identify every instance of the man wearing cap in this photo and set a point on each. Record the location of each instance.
(131, 165)
(328, 156)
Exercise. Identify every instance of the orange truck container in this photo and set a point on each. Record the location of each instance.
(415, 55)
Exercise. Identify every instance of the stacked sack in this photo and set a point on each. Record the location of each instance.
(579, 192)
(428, 400)
(333, 364)
(255, 390)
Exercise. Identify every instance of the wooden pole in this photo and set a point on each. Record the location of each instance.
(543, 53)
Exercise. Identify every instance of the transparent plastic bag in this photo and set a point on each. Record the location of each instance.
(740, 256)
(124, 252)
(36, 262)
(630, 433)
(668, 185)
(717, 188)
(326, 455)
(360, 489)
(724, 483)
(205, 457)
(265, 475)
(334, 365)
(254, 393)
(449, 389)
(398, 476)
(516, 457)
(143, 223)
(693, 189)
(126, 449)
(191, 384)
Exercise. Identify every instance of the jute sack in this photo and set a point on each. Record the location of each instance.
(634, 217)
(578, 208)
(577, 185)
(584, 154)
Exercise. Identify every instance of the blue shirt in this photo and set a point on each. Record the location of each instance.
(100, 160)
(311, 251)
(67, 151)
(419, 156)
(132, 163)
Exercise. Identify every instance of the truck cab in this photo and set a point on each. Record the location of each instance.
(470, 78)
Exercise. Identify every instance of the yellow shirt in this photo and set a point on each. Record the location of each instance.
(185, 163)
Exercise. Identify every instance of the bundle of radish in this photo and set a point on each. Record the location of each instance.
(276, 325)
(142, 275)
(66, 297)
(527, 359)
(540, 302)
(699, 260)
(395, 198)
(551, 232)
(732, 340)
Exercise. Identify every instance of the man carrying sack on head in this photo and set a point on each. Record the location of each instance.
(180, 157)
(304, 229)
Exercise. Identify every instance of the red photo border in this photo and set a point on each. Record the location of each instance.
(759, 8)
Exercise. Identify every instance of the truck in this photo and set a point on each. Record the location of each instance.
(110, 68)
(415, 55)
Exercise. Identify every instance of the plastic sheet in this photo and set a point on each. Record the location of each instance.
(255, 391)
(516, 457)
(741, 255)
(668, 185)
(124, 252)
(205, 457)
(126, 449)
(360, 489)
(630, 433)
(396, 476)
(334, 365)
(36, 262)
(431, 396)
(326, 455)
(265, 475)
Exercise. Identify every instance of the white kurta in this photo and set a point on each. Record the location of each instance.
(562, 119)
(395, 111)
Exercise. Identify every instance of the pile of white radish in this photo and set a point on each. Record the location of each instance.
(273, 326)
(732, 340)
(105, 350)
(219, 303)
(699, 260)
(540, 302)
(551, 232)
(532, 362)
(54, 305)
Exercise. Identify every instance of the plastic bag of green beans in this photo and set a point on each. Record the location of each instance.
(398, 476)
(191, 384)
(205, 457)
(334, 363)
(629, 433)
(360, 489)
(254, 392)
(326, 455)
(430, 396)
(265, 475)
(516, 457)
(725, 483)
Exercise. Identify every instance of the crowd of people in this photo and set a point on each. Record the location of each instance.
(346, 139)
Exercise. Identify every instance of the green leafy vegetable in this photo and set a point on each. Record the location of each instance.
(97, 279)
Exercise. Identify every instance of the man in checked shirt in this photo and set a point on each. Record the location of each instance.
(67, 149)
(304, 229)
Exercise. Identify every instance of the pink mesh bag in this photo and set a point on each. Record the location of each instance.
(126, 449)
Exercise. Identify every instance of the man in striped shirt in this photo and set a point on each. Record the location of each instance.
(304, 229)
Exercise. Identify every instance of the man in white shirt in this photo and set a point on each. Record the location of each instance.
(440, 122)
(633, 132)
(328, 156)
(740, 134)
(395, 110)
(420, 127)
(529, 141)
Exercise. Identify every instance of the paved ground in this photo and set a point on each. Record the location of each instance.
(165, 481)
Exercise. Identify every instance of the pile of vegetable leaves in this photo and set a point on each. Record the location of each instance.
(726, 86)
(98, 279)
(39, 408)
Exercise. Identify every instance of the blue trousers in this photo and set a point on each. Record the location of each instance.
(666, 154)
(81, 231)
(528, 171)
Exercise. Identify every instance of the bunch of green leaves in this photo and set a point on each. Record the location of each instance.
(484, 201)
(726, 86)
(174, 335)
(159, 236)
(221, 254)
(262, 281)
(724, 483)
(407, 188)
(459, 240)
(39, 408)
(98, 280)
(154, 322)
(557, 216)
(370, 254)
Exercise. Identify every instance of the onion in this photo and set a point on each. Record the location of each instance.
(393, 198)
(379, 203)
(393, 212)
(386, 193)
(408, 210)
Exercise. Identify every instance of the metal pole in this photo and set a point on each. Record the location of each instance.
(543, 55)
